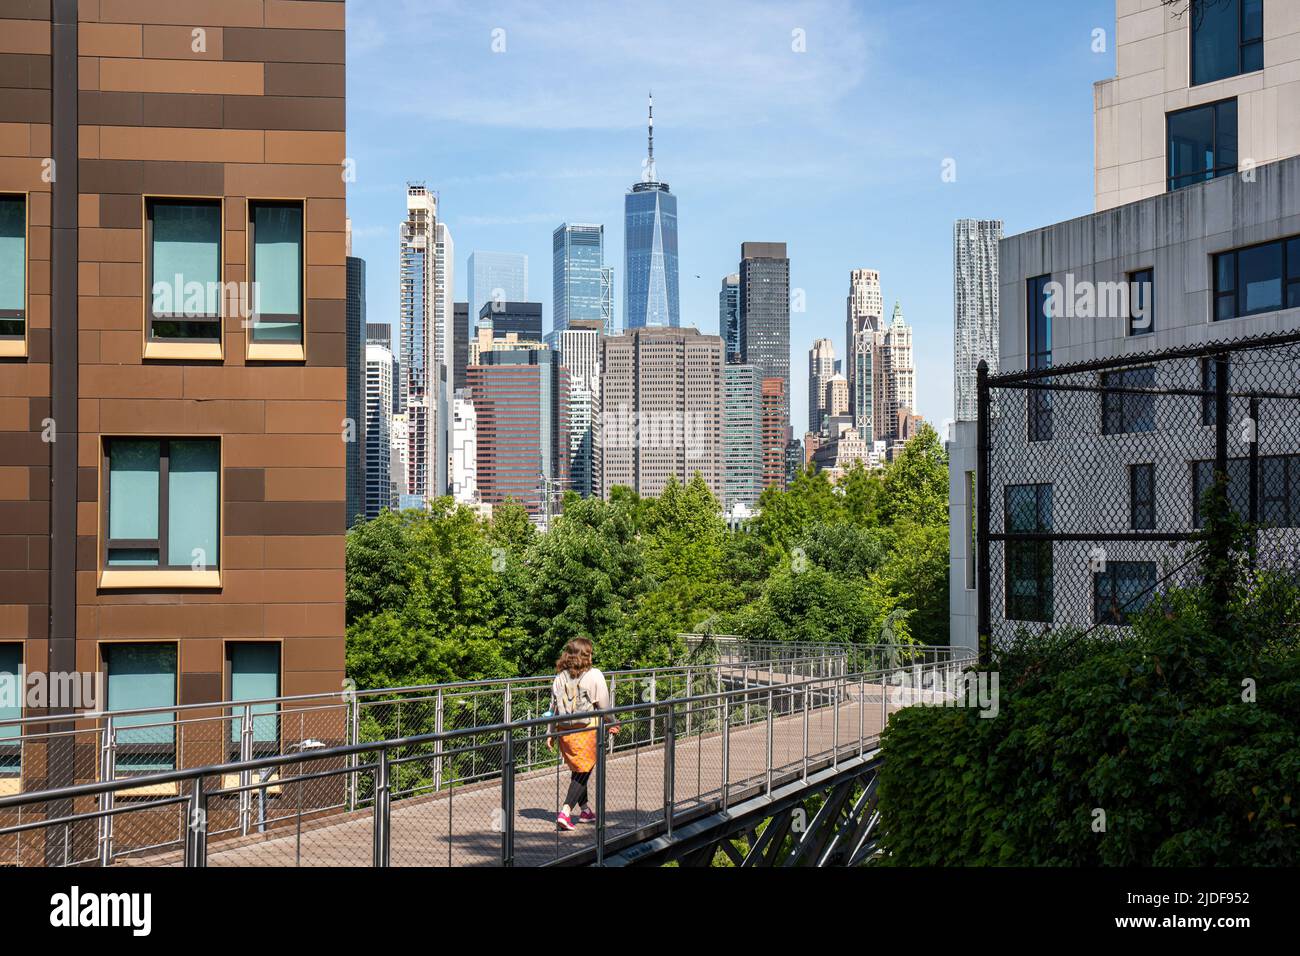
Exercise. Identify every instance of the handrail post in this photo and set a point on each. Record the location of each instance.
(354, 737)
(769, 740)
(196, 828)
(508, 797)
(245, 777)
(654, 698)
(437, 729)
(862, 711)
(602, 743)
(805, 733)
(382, 842)
(726, 751)
(835, 734)
(670, 769)
(107, 771)
(690, 692)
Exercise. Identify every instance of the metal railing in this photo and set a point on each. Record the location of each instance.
(481, 794)
(730, 648)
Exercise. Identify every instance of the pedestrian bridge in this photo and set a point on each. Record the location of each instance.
(730, 746)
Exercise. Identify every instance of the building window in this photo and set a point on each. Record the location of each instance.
(1122, 590)
(1278, 495)
(162, 503)
(276, 272)
(254, 674)
(1039, 355)
(12, 694)
(183, 263)
(1210, 385)
(1123, 412)
(13, 275)
(1227, 39)
(1202, 143)
(1257, 279)
(1141, 302)
(1142, 497)
(143, 676)
(1029, 563)
(972, 538)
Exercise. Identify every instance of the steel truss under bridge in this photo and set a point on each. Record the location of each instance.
(829, 820)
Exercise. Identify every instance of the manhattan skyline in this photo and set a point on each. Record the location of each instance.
(824, 149)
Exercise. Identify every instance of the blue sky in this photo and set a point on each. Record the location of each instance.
(837, 151)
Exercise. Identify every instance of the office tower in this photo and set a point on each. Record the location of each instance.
(974, 306)
(379, 333)
(579, 348)
(148, 461)
(581, 281)
(380, 388)
(607, 300)
(661, 409)
(495, 277)
(425, 258)
(765, 311)
(398, 465)
(461, 335)
(742, 436)
(863, 319)
(896, 383)
(821, 366)
(793, 459)
(356, 402)
(650, 249)
(464, 448)
(774, 430)
(524, 319)
(835, 397)
(729, 315)
(521, 399)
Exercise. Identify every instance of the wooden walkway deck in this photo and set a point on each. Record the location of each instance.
(463, 826)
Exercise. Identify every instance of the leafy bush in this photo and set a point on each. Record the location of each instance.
(1184, 733)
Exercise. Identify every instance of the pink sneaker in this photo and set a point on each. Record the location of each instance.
(587, 816)
(562, 822)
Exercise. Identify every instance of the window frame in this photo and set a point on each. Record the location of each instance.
(155, 347)
(161, 575)
(129, 748)
(1218, 170)
(1136, 281)
(1118, 617)
(1038, 402)
(1040, 553)
(265, 748)
(1147, 500)
(8, 749)
(16, 346)
(1242, 44)
(1202, 470)
(275, 351)
(1124, 402)
(1288, 278)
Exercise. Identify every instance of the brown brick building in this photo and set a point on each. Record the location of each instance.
(184, 529)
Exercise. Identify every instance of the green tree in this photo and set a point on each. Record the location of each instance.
(915, 484)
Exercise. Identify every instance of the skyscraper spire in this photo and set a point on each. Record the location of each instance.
(650, 174)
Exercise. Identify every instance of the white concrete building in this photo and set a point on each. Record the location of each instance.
(1246, 52)
(380, 369)
(895, 378)
(1216, 247)
(464, 450)
(974, 307)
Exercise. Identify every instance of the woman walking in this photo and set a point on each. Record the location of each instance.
(578, 689)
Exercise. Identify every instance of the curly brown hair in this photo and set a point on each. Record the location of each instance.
(575, 658)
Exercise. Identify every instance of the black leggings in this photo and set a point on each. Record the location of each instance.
(577, 796)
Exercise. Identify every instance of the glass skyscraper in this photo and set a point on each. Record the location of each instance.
(650, 249)
(496, 275)
(580, 285)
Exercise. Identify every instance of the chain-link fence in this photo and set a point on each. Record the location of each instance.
(1093, 476)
